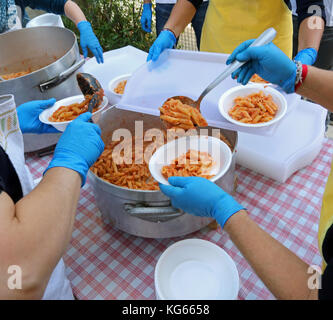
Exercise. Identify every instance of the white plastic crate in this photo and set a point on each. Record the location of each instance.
(187, 73)
(295, 144)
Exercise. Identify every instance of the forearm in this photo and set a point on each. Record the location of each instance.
(40, 227)
(318, 86)
(73, 12)
(181, 15)
(308, 36)
(284, 274)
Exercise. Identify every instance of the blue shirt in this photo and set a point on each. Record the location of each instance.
(50, 6)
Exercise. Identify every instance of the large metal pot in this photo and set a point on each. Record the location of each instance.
(53, 55)
(147, 213)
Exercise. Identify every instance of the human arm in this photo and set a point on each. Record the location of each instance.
(311, 24)
(74, 13)
(274, 66)
(87, 35)
(36, 230)
(62, 7)
(146, 17)
(283, 272)
(181, 15)
(318, 87)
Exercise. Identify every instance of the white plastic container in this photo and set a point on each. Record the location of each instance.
(196, 269)
(47, 19)
(61, 126)
(187, 73)
(295, 144)
(114, 97)
(116, 63)
(218, 150)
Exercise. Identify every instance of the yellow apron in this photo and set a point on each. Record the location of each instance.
(326, 216)
(230, 22)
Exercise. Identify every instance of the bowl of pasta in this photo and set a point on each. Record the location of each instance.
(66, 110)
(253, 105)
(191, 156)
(116, 87)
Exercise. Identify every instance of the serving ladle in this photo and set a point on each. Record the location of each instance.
(266, 37)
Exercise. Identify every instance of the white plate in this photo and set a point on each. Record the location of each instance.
(219, 151)
(196, 269)
(46, 19)
(113, 84)
(226, 102)
(61, 126)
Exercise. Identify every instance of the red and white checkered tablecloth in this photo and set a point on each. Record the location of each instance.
(104, 263)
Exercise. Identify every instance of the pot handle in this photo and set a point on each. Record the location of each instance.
(61, 77)
(153, 214)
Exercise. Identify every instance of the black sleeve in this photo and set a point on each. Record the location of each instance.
(51, 6)
(2, 185)
(326, 291)
(309, 8)
(196, 3)
(9, 181)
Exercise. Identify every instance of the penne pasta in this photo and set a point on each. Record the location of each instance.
(192, 164)
(120, 88)
(254, 108)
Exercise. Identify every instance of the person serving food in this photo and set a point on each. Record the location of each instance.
(230, 22)
(36, 223)
(276, 265)
(13, 16)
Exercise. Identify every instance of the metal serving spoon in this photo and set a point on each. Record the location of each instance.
(266, 37)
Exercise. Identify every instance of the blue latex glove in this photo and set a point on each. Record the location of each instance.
(165, 40)
(79, 146)
(146, 17)
(267, 61)
(201, 197)
(307, 56)
(89, 40)
(28, 116)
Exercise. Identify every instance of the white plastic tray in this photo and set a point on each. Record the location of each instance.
(188, 73)
(116, 62)
(295, 144)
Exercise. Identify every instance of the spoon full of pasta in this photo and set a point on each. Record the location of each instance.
(170, 109)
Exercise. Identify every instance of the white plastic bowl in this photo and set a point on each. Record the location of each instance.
(226, 102)
(61, 126)
(164, 155)
(47, 19)
(115, 97)
(196, 269)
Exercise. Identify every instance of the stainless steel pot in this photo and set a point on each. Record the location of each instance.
(53, 55)
(147, 213)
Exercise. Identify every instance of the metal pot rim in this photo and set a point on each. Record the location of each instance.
(54, 62)
(138, 190)
(123, 188)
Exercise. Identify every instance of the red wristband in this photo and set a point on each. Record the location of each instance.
(304, 74)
